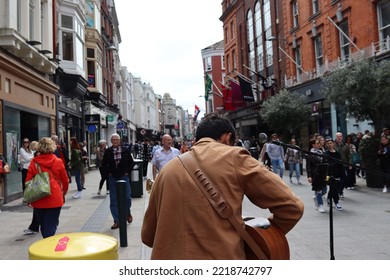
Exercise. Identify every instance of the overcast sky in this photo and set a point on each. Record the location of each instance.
(162, 43)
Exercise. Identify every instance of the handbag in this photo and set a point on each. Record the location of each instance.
(262, 243)
(38, 187)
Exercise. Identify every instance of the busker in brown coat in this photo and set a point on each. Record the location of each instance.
(180, 223)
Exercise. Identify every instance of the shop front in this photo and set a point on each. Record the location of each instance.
(27, 110)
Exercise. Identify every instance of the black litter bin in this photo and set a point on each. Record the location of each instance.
(254, 152)
(136, 181)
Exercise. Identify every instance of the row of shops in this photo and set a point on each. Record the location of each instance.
(33, 106)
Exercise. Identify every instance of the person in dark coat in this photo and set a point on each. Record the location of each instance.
(335, 172)
(316, 174)
(384, 160)
(118, 162)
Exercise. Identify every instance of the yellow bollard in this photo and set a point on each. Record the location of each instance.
(75, 246)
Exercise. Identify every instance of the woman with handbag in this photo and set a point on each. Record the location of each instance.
(26, 155)
(48, 208)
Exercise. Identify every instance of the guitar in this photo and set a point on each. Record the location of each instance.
(271, 241)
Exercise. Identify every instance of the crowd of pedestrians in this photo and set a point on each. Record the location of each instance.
(332, 166)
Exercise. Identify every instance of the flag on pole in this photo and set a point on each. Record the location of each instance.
(246, 89)
(227, 99)
(208, 87)
(196, 113)
(237, 99)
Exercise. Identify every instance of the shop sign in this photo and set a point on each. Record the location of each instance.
(92, 119)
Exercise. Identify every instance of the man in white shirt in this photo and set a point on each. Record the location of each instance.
(164, 154)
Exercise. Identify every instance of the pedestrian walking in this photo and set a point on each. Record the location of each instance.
(276, 154)
(184, 147)
(76, 165)
(102, 146)
(33, 228)
(26, 155)
(346, 155)
(118, 162)
(335, 170)
(62, 153)
(293, 158)
(146, 156)
(317, 170)
(179, 222)
(48, 208)
(339, 146)
(84, 162)
(162, 156)
(384, 160)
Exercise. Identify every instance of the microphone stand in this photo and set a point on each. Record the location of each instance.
(331, 182)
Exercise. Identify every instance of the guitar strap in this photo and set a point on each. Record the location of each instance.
(217, 201)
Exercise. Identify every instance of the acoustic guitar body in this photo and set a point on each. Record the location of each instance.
(272, 242)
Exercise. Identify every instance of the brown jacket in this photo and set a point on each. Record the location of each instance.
(180, 222)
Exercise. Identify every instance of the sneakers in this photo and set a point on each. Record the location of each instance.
(315, 201)
(338, 207)
(76, 195)
(98, 192)
(299, 183)
(291, 181)
(384, 189)
(321, 209)
(29, 232)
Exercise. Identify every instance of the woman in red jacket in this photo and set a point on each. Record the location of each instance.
(48, 208)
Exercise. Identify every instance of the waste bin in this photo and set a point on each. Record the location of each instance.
(136, 180)
(254, 152)
(75, 246)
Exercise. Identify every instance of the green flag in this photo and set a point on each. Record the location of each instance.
(208, 87)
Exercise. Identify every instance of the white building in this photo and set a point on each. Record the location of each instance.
(146, 113)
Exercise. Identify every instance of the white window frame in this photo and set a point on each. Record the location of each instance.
(318, 51)
(295, 13)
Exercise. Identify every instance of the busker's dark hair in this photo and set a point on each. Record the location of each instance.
(214, 126)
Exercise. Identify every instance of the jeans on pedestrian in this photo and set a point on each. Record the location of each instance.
(77, 176)
(113, 196)
(48, 219)
(294, 166)
(319, 194)
(278, 163)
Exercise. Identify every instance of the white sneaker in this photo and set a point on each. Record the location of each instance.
(384, 189)
(338, 207)
(76, 195)
(29, 232)
(321, 209)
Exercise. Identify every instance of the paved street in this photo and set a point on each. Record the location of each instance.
(361, 231)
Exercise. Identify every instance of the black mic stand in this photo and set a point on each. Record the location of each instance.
(330, 181)
(332, 190)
